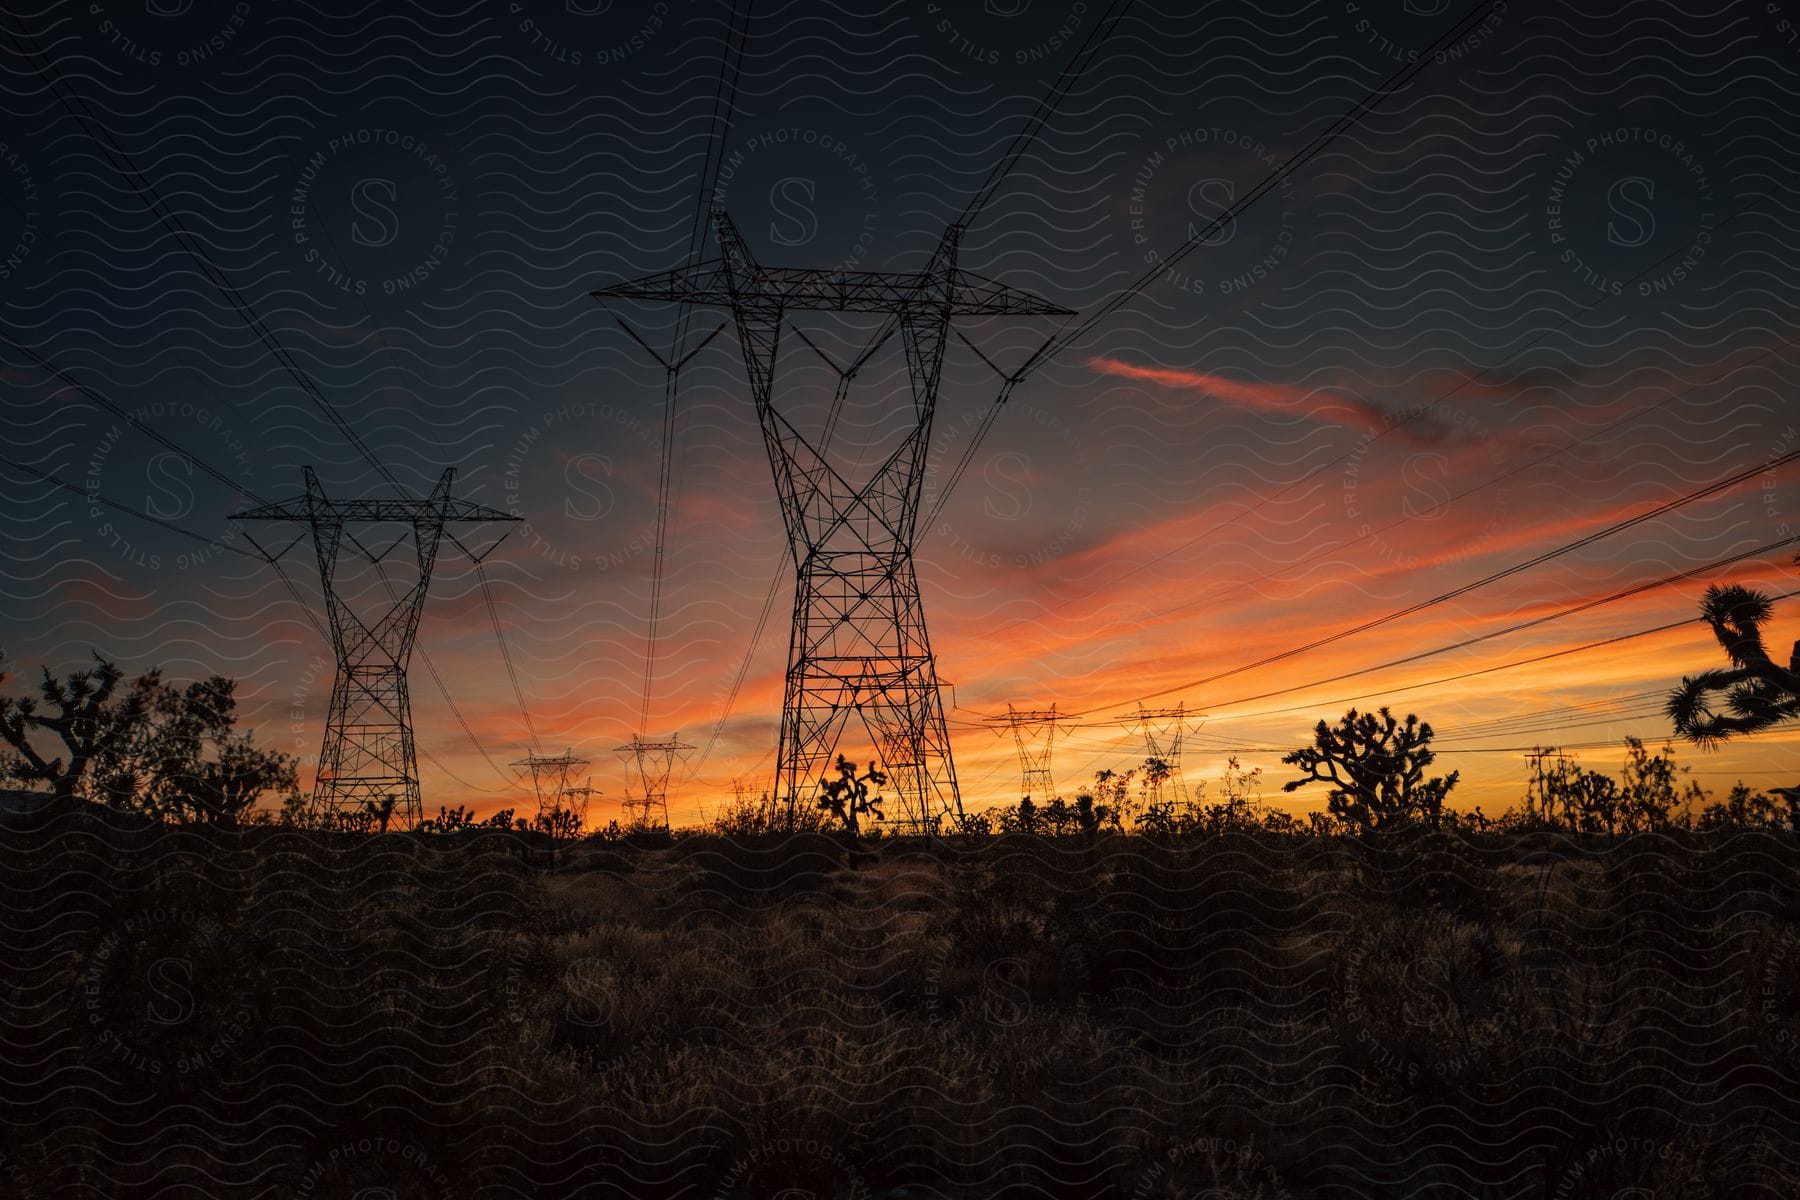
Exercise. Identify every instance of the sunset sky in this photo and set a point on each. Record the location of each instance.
(1547, 288)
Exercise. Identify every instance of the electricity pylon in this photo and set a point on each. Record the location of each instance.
(550, 780)
(859, 644)
(1034, 733)
(367, 762)
(1163, 729)
(655, 762)
(908, 784)
(575, 801)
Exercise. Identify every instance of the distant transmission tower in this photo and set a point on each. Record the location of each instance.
(1034, 733)
(550, 781)
(859, 644)
(1163, 729)
(575, 800)
(368, 762)
(654, 762)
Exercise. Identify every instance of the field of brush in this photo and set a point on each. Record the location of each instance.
(271, 1013)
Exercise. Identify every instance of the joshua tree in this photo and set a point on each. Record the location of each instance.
(562, 824)
(1756, 691)
(173, 753)
(848, 796)
(1376, 768)
(449, 820)
(92, 725)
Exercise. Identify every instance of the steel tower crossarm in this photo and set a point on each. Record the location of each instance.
(858, 646)
(315, 507)
(368, 761)
(808, 289)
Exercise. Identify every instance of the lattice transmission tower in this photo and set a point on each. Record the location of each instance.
(654, 762)
(858, 645)
(1163, 730)
(551, 783)
(368, 763)
(1034, 733)
(577, 799)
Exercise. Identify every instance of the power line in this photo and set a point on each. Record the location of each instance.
(1592, 708)
(1659, 510)
(1410, 415)
(1046, 107)
(487, 595)
(1034, 125)
(115, 154)
(94, 497)
(293, 591)
(1343, 124)
(1506, 666)
(1635, 589)
(1060, 340)
(719, 128)
(94, 397)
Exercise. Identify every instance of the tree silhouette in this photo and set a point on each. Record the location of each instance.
(1376, 768)
(451, 820)
(173, 753)
(91, 723)
(848, 797)
(561, 823)
(1756, 692)
(1591, 801)
(1744, 808)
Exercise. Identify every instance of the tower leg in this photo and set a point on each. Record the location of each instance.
(368, 756)
(860, 646)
